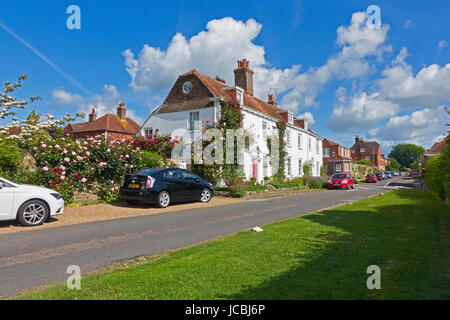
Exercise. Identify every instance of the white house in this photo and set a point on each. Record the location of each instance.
(196, 97)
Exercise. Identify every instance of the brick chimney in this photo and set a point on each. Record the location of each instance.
(92, 116)
(358, 139)
(122, 111)
(271, 100)
(243, 76)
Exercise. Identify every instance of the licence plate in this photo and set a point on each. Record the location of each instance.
(134, 185)
(336, 184)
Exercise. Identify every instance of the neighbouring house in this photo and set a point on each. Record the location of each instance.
(197, 97)
(369, 150)
(434, 150)
(340, 156)
(112, 126)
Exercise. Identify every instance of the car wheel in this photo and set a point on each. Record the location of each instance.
(163, 199)
(206, 195)
(132, 202)
(32, 213)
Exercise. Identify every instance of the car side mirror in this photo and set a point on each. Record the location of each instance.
(1, 185)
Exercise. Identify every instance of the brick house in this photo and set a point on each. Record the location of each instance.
(113, 126)
(434, 150)
(342, 157)
(369, 150)
(197, 97)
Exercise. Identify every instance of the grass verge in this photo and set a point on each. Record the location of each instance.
(321, 255)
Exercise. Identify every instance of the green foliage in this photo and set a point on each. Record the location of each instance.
(406, 154)
(252, 181)
(322, 170)
(317, 182)
(364, 162)
(394, 165)
(437, 174)
(151, 160)
(281, 126)
(307, 169)
(161, 145)
(286, 185)
(10, 158)
(257, 187)
(238, 189)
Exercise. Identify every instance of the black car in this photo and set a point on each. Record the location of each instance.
(380, 176)
(165, 186)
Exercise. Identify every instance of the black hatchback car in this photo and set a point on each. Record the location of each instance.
(165, 186)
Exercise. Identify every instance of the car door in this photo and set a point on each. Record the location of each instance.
(175, 185)
(193, 183)
(6, 200)
(350, 180)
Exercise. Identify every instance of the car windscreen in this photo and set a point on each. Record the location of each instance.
(339, 176)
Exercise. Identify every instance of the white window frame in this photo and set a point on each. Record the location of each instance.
(300, 167)
(192, 118)
(288, 138)
(346, 167)
(148, 132)
(299, 141)
(289, 166)
(326, 152)
(362, 150)
(338, 167)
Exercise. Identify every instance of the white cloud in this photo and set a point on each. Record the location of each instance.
(308, 116)
(215, 51)
(63, 98)
(360, 111)
(106, 102)
(420, 127)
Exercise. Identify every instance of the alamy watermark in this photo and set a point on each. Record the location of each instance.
(374, 281)
(373, 17)
(74, 20)
(74, 280)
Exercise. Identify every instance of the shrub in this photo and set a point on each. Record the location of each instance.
(364, 162)
(256, 187)
(307, 169)
(286, 185)
(298, 181)
(238, 189)
(10, 158)
(317, 183)
(252, 181)
(151, 160)
(437, 175)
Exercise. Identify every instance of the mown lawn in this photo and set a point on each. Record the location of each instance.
(316, 256)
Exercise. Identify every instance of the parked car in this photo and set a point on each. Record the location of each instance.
(388, 174)
(165, 186)
(415, 174)
(371, 178)
(380, 176)
(29, 205)
(341, 180)
(396, 173)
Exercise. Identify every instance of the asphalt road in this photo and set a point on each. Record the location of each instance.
(33, 258)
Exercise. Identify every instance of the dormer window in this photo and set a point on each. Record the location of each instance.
(290, 118)
(240, 96)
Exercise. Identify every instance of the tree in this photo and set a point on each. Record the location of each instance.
(406, 154)
(33, 123)
(394, 164)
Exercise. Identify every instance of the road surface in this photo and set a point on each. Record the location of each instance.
(33, 258)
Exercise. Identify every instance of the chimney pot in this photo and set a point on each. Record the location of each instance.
(122, 111)
(243, 76)
(93, 115)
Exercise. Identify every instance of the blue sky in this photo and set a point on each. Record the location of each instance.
(390, 85)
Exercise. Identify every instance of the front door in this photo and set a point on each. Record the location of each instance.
(255, 168)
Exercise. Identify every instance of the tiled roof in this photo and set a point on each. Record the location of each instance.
(438, 146)
(220, 89)
(109, 122)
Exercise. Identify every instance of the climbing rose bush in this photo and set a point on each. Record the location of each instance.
(95, 165)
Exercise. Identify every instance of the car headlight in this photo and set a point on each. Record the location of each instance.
(345, 181)
(57, 196)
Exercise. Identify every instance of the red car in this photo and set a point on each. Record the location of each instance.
(371, 178)
(341, 180)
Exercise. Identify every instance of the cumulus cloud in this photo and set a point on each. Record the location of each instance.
(215, 50)
(63, 98)
(420, 127)
(397, 89)
(359, 111)
(106, 102)
(308, 116)
(408, 24)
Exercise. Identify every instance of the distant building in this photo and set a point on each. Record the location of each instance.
(337, 154)
(434, 150)
(112, 126)
(369, 150)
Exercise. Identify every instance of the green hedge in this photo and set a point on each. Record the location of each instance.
(437, 173)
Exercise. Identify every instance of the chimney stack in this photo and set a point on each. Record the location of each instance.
(92, 116)
(122, 111)
(243, 76)
(302, 123)
(271, 100)
(357, 139)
